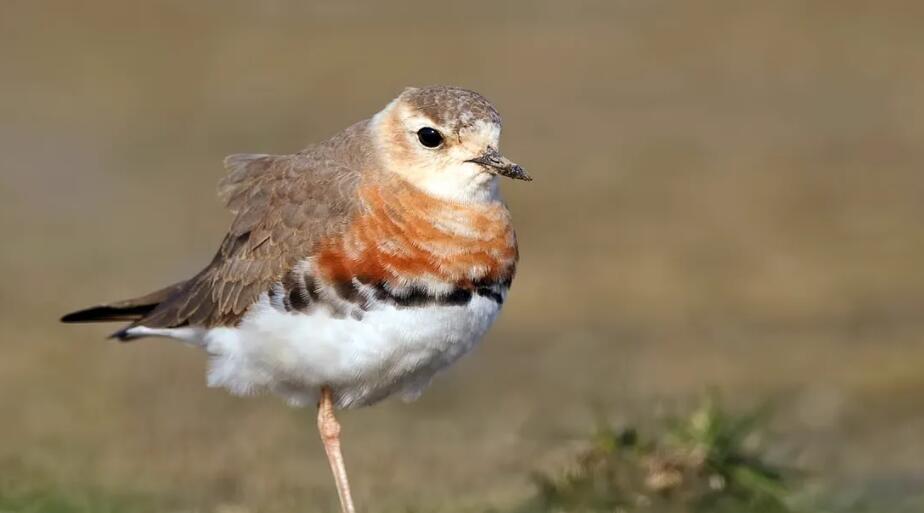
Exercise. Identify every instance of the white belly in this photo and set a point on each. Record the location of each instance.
(391, 349)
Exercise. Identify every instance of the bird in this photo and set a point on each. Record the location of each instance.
(353, 270)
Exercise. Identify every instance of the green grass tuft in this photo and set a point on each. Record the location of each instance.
(708, 461)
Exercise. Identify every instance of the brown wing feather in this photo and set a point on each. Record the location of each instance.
(283, 206)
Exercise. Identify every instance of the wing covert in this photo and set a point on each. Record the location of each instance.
(283, 205)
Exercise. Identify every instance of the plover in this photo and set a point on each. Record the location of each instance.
(353, 270)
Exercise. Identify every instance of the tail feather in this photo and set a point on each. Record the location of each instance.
(106, 313)
(133, 310)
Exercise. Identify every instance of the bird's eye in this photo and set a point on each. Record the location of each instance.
(429, 137)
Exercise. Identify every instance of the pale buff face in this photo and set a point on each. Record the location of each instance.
(442, 171)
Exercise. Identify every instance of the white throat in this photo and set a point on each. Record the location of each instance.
(459, 183)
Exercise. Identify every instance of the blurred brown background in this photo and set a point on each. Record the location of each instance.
(728, 195)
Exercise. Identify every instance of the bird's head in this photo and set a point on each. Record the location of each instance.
(445, 141)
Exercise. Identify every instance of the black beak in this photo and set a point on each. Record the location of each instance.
(500, 165)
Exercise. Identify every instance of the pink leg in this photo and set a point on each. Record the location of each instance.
(330, 435)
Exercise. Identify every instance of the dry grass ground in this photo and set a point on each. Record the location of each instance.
(727, 195)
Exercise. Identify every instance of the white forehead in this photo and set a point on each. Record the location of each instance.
(483, 131)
